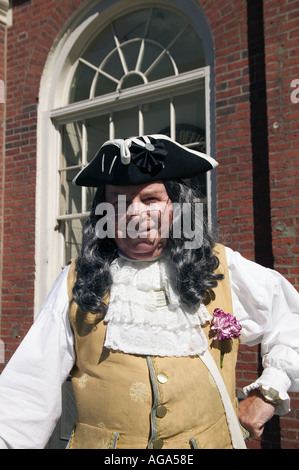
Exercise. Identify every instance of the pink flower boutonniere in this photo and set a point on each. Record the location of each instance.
(226, 326)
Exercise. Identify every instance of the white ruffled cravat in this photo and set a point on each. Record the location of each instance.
(145, 315)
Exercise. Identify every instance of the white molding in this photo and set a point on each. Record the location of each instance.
(4, 12)
(88, 108)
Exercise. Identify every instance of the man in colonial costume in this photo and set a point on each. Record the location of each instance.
(148, 320)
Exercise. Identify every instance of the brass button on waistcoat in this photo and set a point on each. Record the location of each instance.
(162, 378)
(161, 411)
(158, 444)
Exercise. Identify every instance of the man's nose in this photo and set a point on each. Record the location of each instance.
(134, 209)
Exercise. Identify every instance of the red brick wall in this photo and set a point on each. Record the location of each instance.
(257, 180)
(281, 23)
(256, 49)
(235, 191)
(227, 21)
(2, 151)
(282, 67)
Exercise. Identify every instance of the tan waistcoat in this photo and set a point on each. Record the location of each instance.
(127, 401)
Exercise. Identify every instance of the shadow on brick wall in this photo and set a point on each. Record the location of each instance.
(260, 164)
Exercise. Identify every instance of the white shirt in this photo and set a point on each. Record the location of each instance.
(266, 305)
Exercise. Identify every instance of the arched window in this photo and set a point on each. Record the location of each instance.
(142, 71)
(139, 48)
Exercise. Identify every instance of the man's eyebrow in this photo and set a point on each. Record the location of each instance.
(144, 193)
(150, 192)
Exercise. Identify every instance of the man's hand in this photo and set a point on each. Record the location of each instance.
(254, 412)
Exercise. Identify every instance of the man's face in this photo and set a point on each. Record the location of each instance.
(142, 232)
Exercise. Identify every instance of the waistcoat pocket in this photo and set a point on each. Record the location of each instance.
(91, 437)
(215, 437)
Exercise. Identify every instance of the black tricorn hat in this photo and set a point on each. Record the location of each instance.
(140, 160)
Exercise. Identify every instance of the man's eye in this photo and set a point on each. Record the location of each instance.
(150, 200)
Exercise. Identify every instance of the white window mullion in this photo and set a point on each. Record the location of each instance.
(84, 163)
(140, 56)
(208, 146)
(60, 239)
(207, 106)
(111, 127)
(140, 121)
(141, 50)
(120, 52)
(172, 120)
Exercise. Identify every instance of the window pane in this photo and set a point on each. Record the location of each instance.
(70, 195)
(162, 68)
(151, 53)
(97, 133)
(113, 66)
(191, 55)
(190, 128)
(71, 144)
(100, 47)
(126, 123)
(104, 85)
(131, 81)
(190, 118)
(131, 53)
(156, 116)
(165, 25)
(73, 231)
(90, 194)
(132, 25)
(81, 83)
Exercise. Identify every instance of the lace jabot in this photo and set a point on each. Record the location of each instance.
(145, 315)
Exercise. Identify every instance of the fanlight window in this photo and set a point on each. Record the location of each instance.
(139, 48)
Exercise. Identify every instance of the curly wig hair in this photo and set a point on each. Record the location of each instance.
(193, 270)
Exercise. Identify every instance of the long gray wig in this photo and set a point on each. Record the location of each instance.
(193, 270)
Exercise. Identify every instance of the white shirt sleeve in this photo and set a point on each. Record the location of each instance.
(267, 306)
(30, 385)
